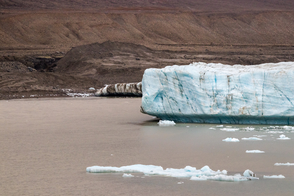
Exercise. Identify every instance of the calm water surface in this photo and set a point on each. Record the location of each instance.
(46, 145)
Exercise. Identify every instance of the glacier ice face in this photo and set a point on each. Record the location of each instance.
(218, 93)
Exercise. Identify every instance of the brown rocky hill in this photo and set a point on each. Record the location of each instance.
(27, 24)
(101, 42)
(65, 30)
(196, 5)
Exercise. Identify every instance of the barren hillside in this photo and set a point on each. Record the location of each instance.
(106, 36)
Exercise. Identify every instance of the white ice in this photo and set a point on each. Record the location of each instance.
(284, 164)
(219, 125)
(231, 140)
(166, 123)
(254, 151)
(229, 129)
(127, 176)
(251, 138)
(205, 173)
(283, 137)
(274, 176)
(249, 128)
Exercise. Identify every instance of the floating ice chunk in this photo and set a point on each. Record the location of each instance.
(251, 138)
(229, 129)
(212, 128)
(166, 123)
(274, 176)
(288, 127)
(283, 137)
(275, 132)
(249, 128)
(91, 89)
(260, 135)
(254, 151)
(284, 164)
(231, 140)
(219, 125)
(249, 173)
(128, 169)
(187, 126)
(180, 182)
(205, 173)
(127, 176)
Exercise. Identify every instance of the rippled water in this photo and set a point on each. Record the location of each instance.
(46, 145)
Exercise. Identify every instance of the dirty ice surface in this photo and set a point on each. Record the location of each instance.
(205, 173)
(219, 93)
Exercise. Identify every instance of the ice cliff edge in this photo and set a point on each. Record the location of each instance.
(218, 93)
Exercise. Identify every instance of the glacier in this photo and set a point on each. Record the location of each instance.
(219, 93)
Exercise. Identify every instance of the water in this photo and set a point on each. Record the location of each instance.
(46, 145)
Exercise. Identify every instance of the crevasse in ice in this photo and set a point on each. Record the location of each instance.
(218, 93)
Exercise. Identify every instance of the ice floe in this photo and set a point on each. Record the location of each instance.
(229, 129)
(283, 137)
(205, 173)
(274, 176)
(229, 139)
(254, 151)
(166, 123)
(284, 164)
(251, 138)
(127, 176)
(249, 128)
(219, 125)
(260, 135)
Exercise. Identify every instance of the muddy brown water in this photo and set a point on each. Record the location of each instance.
(46, 145)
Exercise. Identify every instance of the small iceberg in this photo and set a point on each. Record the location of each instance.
(251, 138)
(283, 137)
(249, 128)
(254, 151)
(205, 173)
(229, 139)
(284, 164)
(274, 176)
(166, 123)
(229, 129)
(127, 176)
